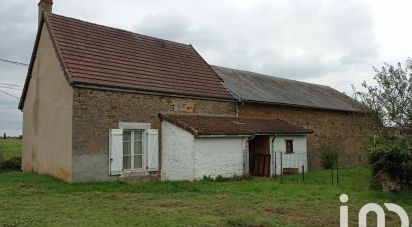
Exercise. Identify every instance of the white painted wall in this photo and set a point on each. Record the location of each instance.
(185, 157)
(177, 155)
(295, 160)
(218, 156)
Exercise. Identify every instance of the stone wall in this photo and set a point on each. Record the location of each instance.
(348, 130)
(96, 111)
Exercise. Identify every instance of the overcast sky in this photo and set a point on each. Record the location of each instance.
(331, 42)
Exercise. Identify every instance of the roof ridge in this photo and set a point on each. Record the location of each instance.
(118, 29)
(271, 77)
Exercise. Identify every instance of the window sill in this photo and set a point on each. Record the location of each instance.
(134, 172)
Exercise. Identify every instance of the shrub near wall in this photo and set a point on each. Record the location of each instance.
(10, 164)
(329, 152)
(10, 154)
(391, 161)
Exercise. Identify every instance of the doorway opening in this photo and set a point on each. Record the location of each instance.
(259, 156)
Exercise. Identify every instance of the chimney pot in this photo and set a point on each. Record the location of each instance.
(44, 6)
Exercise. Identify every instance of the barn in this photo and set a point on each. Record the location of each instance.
(103, 104)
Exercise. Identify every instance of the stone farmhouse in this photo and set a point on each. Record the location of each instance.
(103, 104)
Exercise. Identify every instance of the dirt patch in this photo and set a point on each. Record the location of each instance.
(26, 186)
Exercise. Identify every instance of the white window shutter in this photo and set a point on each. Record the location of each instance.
(152, 150)
(116, 152)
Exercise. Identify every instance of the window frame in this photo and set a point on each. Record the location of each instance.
(287, 143)
(133, 133)
(144, 127)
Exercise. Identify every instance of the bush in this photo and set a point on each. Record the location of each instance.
(329, 152)
(11, 164)
(393, 156)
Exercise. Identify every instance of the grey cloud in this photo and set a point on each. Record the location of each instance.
(18, 28)
(308, 40)
(19, 25)
(11, 117)
(169, 24)
(297, 39)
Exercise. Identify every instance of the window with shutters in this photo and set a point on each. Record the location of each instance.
(289, 146)
(133, 149)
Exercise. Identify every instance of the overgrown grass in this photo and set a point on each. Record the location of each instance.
(29, 199)
(10, 148)
(352, 178)
(10, 155)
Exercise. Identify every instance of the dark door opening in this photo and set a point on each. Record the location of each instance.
(259, 156)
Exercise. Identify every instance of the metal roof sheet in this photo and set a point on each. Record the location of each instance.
(254, 87)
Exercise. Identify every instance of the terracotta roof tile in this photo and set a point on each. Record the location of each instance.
(213, 125)
(100, 55)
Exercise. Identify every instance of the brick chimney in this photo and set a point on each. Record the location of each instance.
(44, 6)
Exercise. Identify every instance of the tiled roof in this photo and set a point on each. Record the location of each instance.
(98, 55)
(200, 125)
(254, 87)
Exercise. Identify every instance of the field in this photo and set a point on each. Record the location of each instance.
(28, 199)
(10, 147)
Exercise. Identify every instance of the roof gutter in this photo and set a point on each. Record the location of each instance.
(224, 135)
(237, 97)
(233, 93)
(301, 106)
(247, 134)
(144, 91)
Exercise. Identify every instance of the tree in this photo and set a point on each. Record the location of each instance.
(391, 161)
(4, 136)
(389, 102)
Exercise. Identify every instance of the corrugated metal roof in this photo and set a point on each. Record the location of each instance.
(254, 87)
(200, 125)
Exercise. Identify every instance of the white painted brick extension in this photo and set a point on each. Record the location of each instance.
(218, 156)
(295, 160)
(177, 153)
(185, 157)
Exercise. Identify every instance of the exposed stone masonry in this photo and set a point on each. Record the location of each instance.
(96, 111)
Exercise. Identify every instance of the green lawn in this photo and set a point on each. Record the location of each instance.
(30, 199)
(10, 147)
